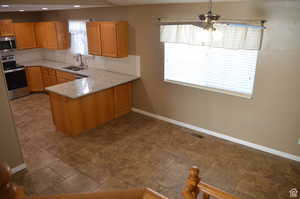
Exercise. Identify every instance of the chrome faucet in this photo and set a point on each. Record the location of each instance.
(79, 57)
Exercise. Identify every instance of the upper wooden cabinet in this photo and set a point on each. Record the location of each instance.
(25, 35)
(40, 33)
(6, 28)
(108, 38)
(94, 38)
(52, 35)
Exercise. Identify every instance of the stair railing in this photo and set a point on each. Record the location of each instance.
(194, 187)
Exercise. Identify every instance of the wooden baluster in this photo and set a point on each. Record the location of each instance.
(7, 189)
(191, 190)
(206, 196)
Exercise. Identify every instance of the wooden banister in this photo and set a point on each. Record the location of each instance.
(191, 191)
(7, 189)
(194, 186)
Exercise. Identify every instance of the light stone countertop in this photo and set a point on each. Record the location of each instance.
(96, 80)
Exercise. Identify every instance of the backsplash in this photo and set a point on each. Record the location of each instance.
(28, 55)
(129, 65)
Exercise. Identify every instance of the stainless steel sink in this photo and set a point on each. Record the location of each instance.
(73, 68)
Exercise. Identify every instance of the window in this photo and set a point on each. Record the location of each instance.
(224, 70)
(78, 33)
(222, 61)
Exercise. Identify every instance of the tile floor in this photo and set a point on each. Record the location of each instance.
(138, 151)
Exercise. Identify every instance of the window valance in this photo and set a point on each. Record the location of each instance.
(229, 36)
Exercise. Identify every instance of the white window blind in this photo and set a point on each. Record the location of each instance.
(77, 29)
(218, 69)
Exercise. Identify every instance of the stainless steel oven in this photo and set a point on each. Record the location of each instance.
(7, 44)
(15, 77)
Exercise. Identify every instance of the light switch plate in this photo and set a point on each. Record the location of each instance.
(299, 141)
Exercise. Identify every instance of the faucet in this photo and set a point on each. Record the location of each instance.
(79, 57)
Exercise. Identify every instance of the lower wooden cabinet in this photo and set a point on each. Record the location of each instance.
(75, 116)
(34, 78)
(38, 77)
(123, 99)
(63, 77)
(49, 76)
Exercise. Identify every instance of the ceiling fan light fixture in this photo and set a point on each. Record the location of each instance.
(208, 20)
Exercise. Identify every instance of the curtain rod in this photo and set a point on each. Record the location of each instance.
(170, 20)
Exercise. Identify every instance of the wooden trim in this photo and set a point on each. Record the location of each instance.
(7, 189)
(220, 135)
(215, 192)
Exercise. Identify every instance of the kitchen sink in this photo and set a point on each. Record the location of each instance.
(73, 68)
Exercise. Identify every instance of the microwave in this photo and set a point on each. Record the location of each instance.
(7, 44)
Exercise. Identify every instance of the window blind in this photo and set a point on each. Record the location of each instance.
(224, 70)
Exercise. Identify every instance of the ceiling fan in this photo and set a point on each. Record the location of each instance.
(208, 20)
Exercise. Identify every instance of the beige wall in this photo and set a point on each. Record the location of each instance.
(270, 119)
(10, 151)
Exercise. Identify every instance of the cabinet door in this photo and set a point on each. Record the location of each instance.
(94, 38)
(6, 28)
(40, 33)
(123, 99)
(51, 35)
(34, 79)
(62, 34)
(109, 39)
(25, 35)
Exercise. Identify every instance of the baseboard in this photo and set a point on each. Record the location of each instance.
(220, 135)
(18, 168)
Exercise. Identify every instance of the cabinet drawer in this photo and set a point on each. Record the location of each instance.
(61, 80)
(45, 71)
(52, 72)
(65, 75)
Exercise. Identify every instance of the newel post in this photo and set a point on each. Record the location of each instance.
(191, 190)
(7, 189)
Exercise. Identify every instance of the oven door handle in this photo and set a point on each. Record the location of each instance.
(13, 70)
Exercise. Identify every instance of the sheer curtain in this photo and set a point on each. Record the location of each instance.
(229, 36)
(77, 29)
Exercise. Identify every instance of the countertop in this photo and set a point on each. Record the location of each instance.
(96, 79)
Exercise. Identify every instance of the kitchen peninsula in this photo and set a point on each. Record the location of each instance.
(84, 103)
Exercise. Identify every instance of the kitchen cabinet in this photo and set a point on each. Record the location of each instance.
(123, 99)
(34, 78)
(52, 35)
(25, 35)
(40, 33)
(75, 116)
(94, 38)
(6, 28)
(49, 76)
(63, 77)
(108, 39)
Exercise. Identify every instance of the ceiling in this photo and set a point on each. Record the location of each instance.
(44, 5)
